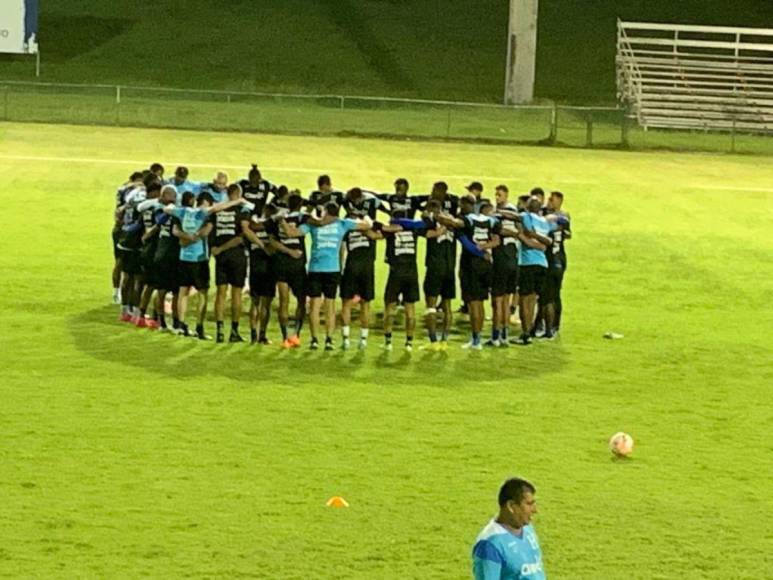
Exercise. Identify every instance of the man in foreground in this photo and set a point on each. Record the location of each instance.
(508, 548)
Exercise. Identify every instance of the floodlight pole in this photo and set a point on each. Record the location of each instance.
(521, 51)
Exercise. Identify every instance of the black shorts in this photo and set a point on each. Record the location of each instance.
(147, 261)
(530, 279)
(167, 273)
(116, 236)
(475, 275)
(359, 280)
(293, 273)
(551, 287)
(194, 274)
(504, 279)
(323, 284)
(131, 263)
(440, 282)
(231, 268)
(262, 278)
(403, 283)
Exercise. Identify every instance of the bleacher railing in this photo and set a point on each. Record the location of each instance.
(343, 115)
(714, 78)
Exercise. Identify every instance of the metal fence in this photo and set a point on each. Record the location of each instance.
(545, 124)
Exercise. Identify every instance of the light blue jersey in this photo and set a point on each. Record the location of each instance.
(180, 188)
(191, 220)
(326, 244)
(499, 554)
(533, 222)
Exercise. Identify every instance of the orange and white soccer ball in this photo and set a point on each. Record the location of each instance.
(621, 444)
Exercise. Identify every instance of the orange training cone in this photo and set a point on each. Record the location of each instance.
(337, 501)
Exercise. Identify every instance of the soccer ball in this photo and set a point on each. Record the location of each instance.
(621, 444)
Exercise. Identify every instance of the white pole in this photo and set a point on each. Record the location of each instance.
(37, 63)
(521, 51)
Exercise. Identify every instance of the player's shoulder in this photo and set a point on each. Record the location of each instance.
(491, 532)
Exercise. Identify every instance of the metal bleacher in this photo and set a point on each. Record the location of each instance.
(696, 77)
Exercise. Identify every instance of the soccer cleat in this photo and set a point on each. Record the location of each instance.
(492, 342)
(345, 344)
(125, 317)
(546, 336)
(314, 344)
(220, 337)
(152, 324)
(329, 346)
(295, 340)
(524, 339)
(408, 347)
(203, 336)
(363, 344)
(387, 346)
(287, 344)
(235, 337)
(141, 322)
(476, 346)
(504, 344)
(467, 345)
(264, 340)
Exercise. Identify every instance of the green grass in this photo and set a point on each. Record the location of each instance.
(126, 453)
(452, 49)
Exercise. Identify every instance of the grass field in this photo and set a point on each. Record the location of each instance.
(127, 453)
(439, 49)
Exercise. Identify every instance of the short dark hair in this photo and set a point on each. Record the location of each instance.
(401, 181)
(537, 191)
(514, 489)
(323, 180)
(354, 193)
(181, 172)
(524, 199)
(294, 202)
(440, 186)
(153, 187)
(149, 179)
(502, 187)
(557, 194)
(157, 167)
(233, 188)
(135, 176)
(205, 196)
(332, 208)
(188, 199)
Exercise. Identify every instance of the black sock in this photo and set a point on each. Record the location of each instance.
(176, 322)
(253, 334)
(409, 339)
(283, 328)
(183, 327)
(142, 313)
(199, 329)
(262, 335)
(162, 321)
(234, 328)
(328, 340)
(388, 337)
(219, 327)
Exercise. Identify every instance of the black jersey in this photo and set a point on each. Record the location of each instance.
(403, 205)
(318, 200)
(130, 237)
(168, 247)
(365, 206)
(257, 194)
(508, 249)
(295, 218)
(401, 249)
(360, 249)
(227, 225)
(441, 250)
(450, 203)
(479, 229)
(262, 233)
(556, 252)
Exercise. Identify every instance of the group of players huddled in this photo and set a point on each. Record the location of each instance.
(165, 232)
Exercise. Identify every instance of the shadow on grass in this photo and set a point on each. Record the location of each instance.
(98, 334)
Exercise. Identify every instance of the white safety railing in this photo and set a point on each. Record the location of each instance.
(696, 77)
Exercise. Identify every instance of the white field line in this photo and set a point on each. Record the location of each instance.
(315, 171)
